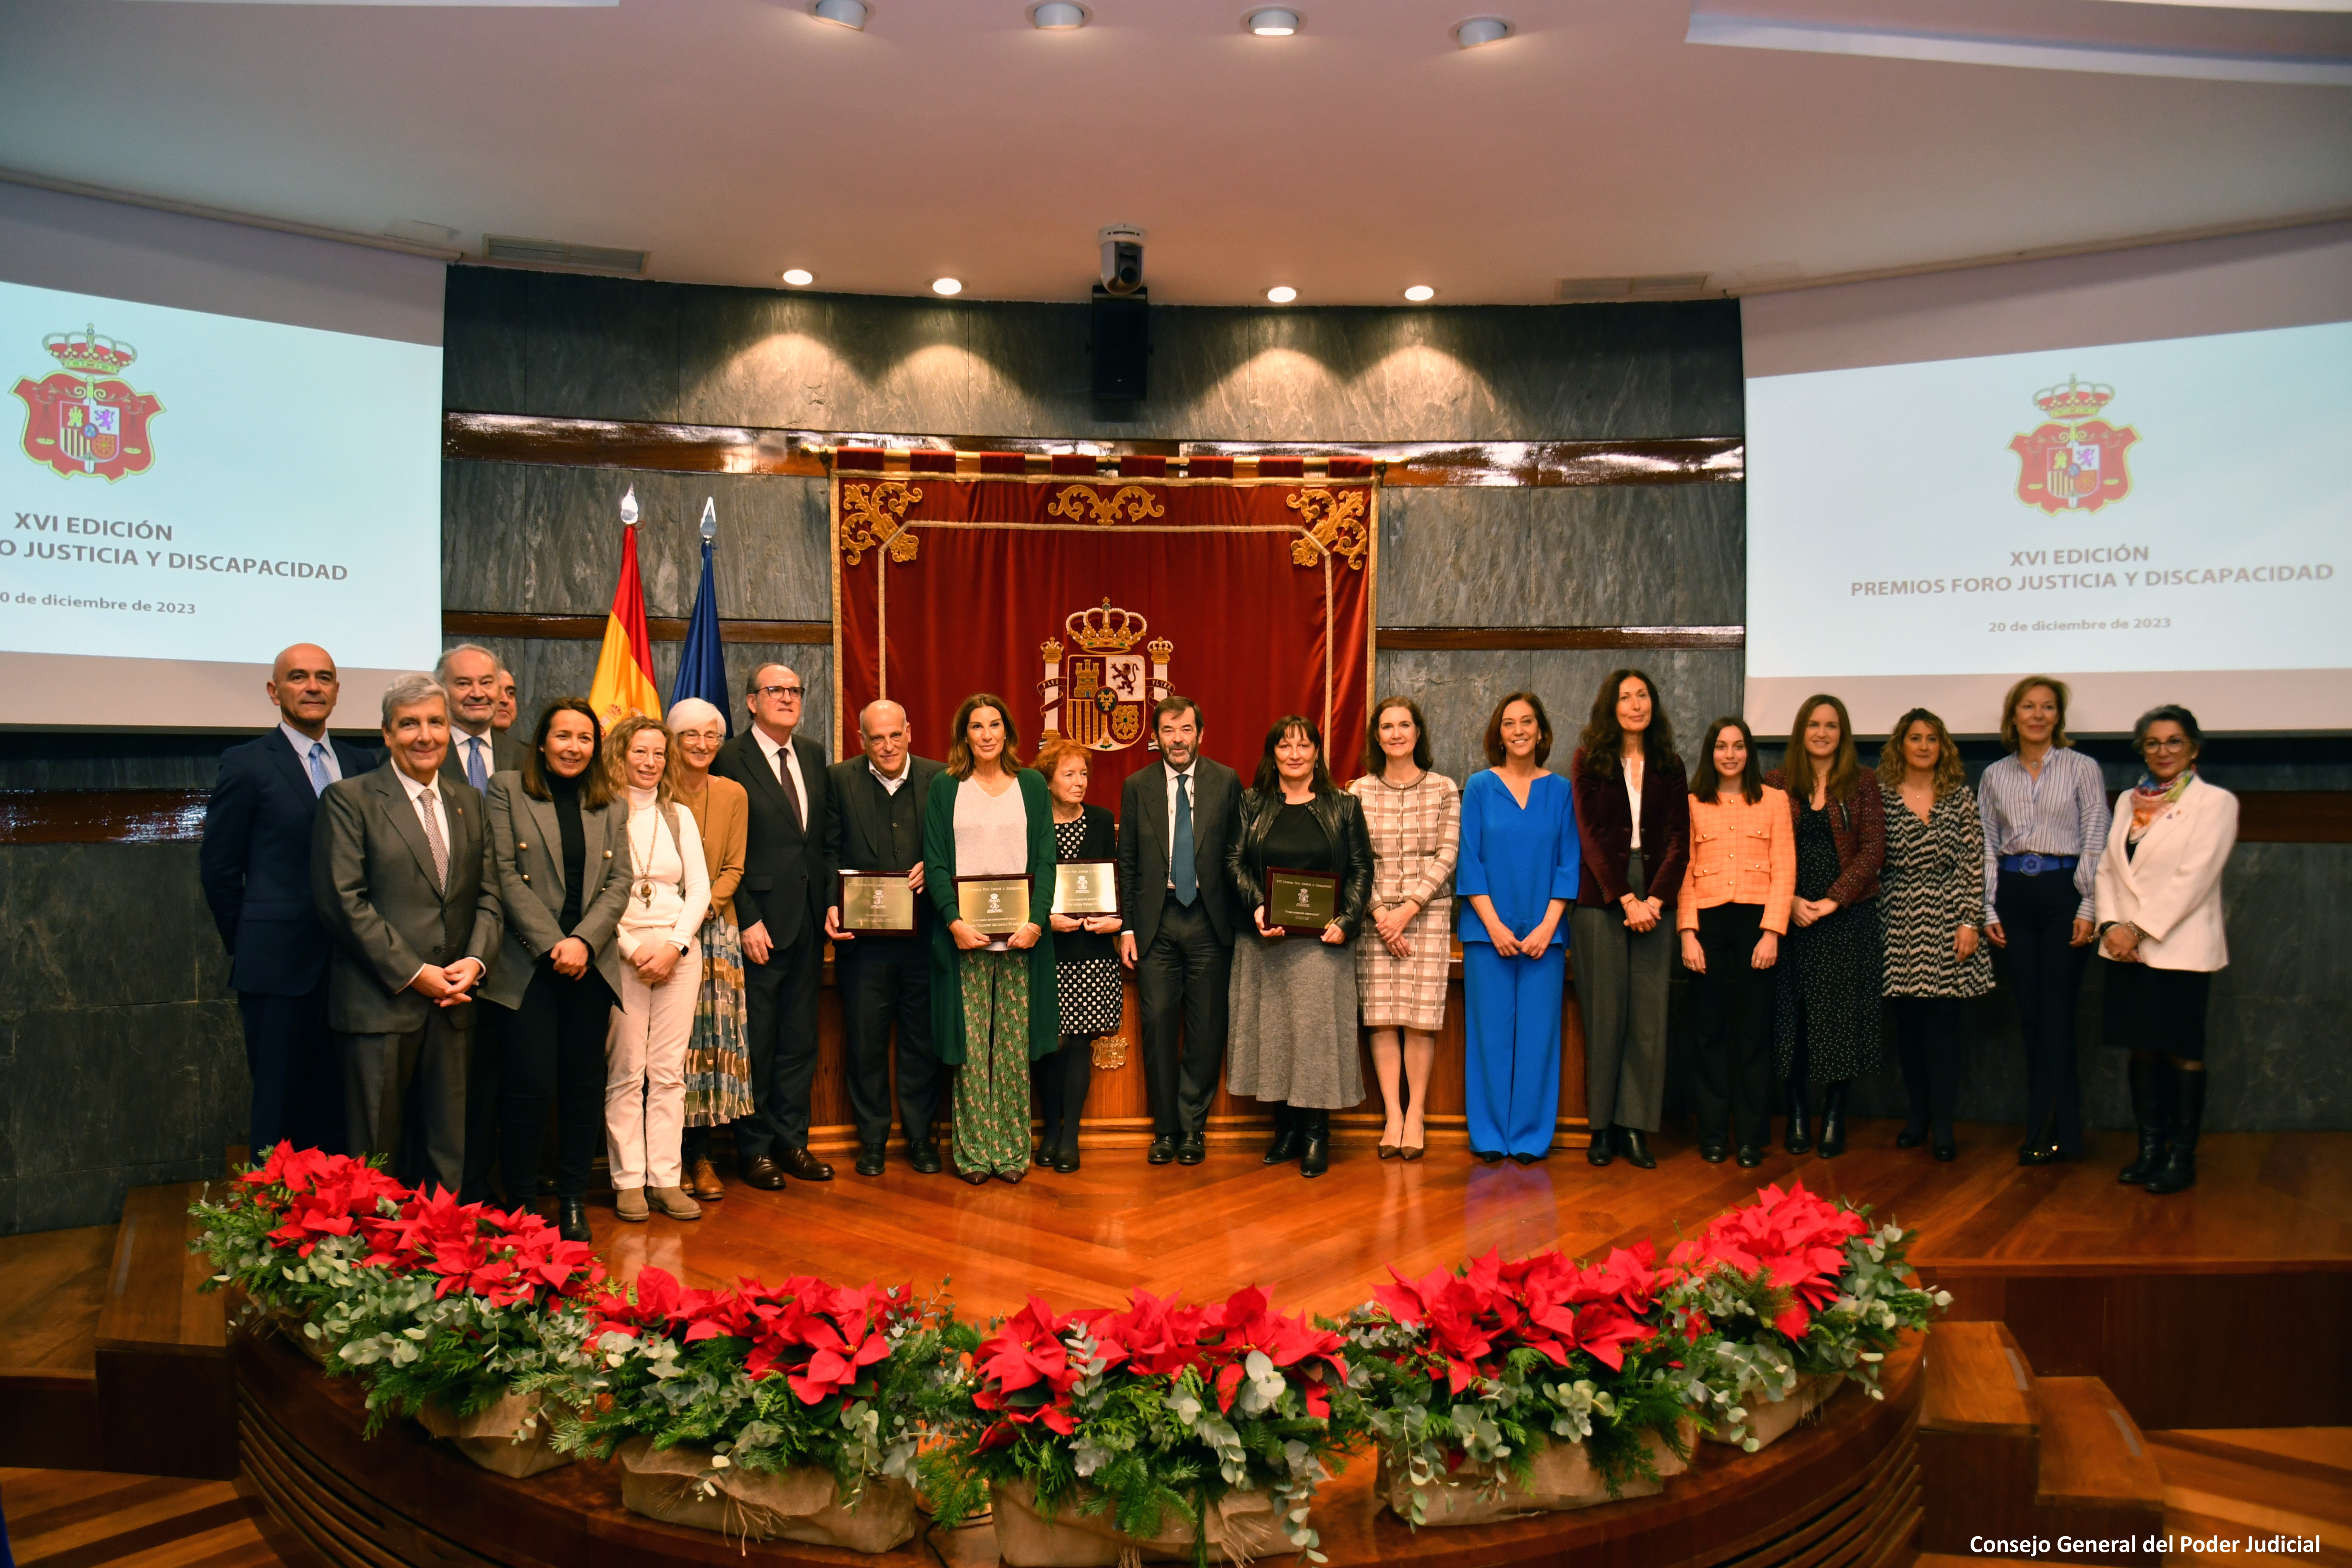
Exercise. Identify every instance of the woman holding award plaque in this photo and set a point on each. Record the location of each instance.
(1303, 861)
(987, 868)
(1414, 816)
(1084, 920)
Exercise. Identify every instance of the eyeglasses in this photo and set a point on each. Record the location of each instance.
(2170, 743)
(774, 691)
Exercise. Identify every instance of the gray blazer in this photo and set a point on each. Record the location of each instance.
(526, 867)
(372, 882)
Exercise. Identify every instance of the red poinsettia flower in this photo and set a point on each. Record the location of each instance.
(1025, 1375)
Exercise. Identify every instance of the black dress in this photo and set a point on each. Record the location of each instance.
(1832, 972)
(1086, 965)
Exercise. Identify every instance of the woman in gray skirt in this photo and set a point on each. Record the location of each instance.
(1294, 998)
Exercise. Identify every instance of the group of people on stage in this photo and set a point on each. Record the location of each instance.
(645, 911)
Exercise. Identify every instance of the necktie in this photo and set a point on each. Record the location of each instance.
(319, 779)
(1181, 871)
(435, 842)
(477, 773)
(784, 777)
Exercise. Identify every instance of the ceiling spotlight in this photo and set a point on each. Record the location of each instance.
(799, 277)
(947, 285)
(1282, 294)
(1481, 30)
(1419, 292)
(1271, 21)
(849, 13)
(1055, 15)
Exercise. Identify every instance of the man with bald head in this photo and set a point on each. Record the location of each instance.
(779, 906)
(874, 822)
(255, 867)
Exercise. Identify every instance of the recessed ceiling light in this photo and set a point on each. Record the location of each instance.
(947, 285)
(1419, 292)
(799, 277)
(1271, 21)
(1056, 16)
(849, 14)
(1481, 30)
(1282, 294)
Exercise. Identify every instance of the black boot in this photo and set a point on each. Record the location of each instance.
(1636, 1144)
(1833, 1119)
(1598, 1152)
(1314, 1143)
(1287, 1136)
(2151, 1098)
(1798, 1141)
(2180, 1173)
(571, 1220)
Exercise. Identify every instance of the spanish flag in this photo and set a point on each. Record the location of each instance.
(624, 669)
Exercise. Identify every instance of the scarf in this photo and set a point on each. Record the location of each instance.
(2150, 799)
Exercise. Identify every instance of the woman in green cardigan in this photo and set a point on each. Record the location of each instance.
(995, 1006)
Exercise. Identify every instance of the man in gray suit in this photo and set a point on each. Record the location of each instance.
(1176, 821)
(470, 675)
(396, 874)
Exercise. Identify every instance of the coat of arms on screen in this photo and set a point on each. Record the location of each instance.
(1099, 691)
(83, 419)
(2074, 462)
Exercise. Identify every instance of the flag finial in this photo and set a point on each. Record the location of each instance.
(709, 519)
(629, 507)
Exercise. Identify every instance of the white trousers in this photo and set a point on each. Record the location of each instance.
(645, 1074)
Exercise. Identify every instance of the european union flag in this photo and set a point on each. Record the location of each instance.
(702, 663)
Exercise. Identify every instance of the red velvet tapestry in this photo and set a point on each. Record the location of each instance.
(1082, 598)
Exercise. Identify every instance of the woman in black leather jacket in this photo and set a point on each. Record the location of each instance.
(1293, 997)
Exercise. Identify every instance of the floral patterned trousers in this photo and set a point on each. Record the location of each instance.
(991, 1087)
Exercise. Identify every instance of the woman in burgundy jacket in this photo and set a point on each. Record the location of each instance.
(1633, 812)
(1833, 965)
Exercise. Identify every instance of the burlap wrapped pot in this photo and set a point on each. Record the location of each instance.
(1769, 1420)
(1241, 1528)
(512, 1437)
(802, 1503)
(1563, 1477)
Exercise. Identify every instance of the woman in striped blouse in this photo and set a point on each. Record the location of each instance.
(2045, 826)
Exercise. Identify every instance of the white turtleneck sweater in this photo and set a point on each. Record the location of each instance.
(669, 882)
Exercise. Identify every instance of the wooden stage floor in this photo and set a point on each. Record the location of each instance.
(2264, 1203)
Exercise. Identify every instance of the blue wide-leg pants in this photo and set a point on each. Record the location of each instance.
(1512, 1047)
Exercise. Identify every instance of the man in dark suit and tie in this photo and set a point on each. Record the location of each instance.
(1176, 818)
(779, 906)
(874, 822)
(470, 675)
(396, 875)
(255, 867)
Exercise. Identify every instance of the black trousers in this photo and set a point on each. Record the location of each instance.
(554, 1049)
(780, 1017)
(484, 1105)
(1732, 1004)
(1927, 1038)
(1182, 979)
(884, 983)
(298, 1074)
(1061, 1081)
(2037, 916)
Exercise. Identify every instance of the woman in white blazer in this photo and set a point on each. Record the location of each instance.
(2159, 925)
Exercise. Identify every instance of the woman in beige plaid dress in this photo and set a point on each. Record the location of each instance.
(1415, 820)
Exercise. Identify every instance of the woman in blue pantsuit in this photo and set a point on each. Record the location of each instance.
(1518, 869)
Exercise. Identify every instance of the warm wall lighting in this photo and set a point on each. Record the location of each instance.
(1419, 292)
(1282, 294)
(1272, 22)
(799, 277)
(1480, 30)
(947, 285)
(840, 12)
(1055, 15)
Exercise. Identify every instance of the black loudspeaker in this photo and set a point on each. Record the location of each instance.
(1121, 345)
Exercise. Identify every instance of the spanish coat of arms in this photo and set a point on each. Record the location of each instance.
(2075, 462)
(1097, 690)
(84, 419)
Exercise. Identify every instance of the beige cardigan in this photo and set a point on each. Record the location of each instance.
(722, 815)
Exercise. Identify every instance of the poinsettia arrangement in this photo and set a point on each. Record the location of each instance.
(289, 1232)
(854, 1379)
(1789, 1286)
(1480, 1365)
(1157, 1411)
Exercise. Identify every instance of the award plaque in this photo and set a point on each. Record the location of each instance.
(1300, 903)
(877, 901)
(995, 907)
(1085, 887)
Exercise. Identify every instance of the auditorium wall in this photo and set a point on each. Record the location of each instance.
(119, 1057)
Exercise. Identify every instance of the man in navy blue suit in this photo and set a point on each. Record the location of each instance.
(255, 864)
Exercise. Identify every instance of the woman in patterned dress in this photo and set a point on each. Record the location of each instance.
(1932, 891)
(1085, 966)
(1414, 816)
(1832, 967)
(994, 1005)
(717, 1053)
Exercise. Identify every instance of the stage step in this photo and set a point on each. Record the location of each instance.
(2228, 1494)
(2007, 1458)
(166, 1396)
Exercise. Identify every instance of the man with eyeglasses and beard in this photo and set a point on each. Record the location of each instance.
(779, 907)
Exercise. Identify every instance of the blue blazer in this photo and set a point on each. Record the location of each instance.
(255, 864)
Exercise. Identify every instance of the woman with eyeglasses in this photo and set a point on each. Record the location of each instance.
(2159, 929)
(717, 1053)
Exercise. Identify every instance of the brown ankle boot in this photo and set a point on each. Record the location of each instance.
(704, 1182)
